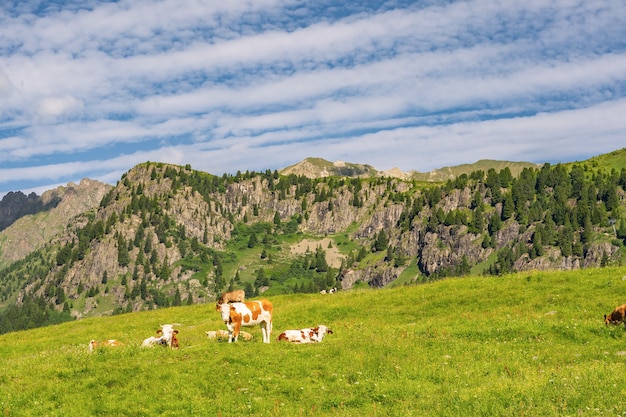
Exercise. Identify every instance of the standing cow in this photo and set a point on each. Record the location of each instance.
(247, 314)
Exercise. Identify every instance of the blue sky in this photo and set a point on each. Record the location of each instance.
(89, 89)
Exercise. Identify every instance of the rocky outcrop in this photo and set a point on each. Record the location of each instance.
(55, 209)
(17, 204)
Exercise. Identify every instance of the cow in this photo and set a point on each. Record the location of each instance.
(169, 335)
(217, 334)
(308, 335)
(152, 341)
(617, 315)
(107, 343)
(237, 296)
(223, 334)
(247, 314)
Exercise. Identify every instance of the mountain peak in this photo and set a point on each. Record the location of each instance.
(319, 167)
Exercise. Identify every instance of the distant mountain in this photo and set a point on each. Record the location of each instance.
(17, 204)
(36, 220)
(320, 168)
(449, 173)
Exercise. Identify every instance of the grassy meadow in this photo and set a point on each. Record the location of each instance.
(519, 345)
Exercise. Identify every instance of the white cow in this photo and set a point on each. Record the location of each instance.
(153, 341)
(308, 335)
(168, 334)
(247, 314)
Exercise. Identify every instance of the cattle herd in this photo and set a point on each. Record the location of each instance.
(236, 313)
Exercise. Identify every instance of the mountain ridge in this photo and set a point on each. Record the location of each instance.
(168, 234)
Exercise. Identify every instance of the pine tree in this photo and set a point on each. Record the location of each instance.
(123, 257)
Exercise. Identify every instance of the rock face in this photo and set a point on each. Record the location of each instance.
(38, 219)
(17, 204)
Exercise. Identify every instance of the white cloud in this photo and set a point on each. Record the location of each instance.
(59, 106)
(242, 85)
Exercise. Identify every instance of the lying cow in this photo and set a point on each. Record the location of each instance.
(153, 341)
(617, 316)
(308, 335)
(107, 343)
(247, 314)
(237, 296)
(223, 334)
(168, 337)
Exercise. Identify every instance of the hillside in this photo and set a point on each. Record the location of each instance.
(31, 222)
(532, 343)
(168, 235)
(450, 173)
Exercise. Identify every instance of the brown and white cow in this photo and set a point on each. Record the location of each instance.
(168, 335)
(251, 313)
(93, 344)
(237, 296)
(308, 335)
(617, 315)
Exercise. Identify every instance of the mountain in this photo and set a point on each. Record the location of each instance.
(449, 173)
(17, 204)
(169, 235)
(31, 222)
(320, 168)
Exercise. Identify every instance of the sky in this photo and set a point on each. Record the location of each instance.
(89, 89)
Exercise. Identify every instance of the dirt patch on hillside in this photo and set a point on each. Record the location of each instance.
(333, 257)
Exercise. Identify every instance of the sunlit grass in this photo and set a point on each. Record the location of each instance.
(524, 344)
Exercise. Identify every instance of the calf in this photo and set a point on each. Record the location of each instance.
(247, 314)
(308, 335)
(169, 335)
(617, 316)
(237, 296)
(223, 334)
(107, 343)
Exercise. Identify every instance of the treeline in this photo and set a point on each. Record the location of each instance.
(565, 209)
(32, 313)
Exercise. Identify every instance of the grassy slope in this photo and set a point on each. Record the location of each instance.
(613, 160)
(525, 344)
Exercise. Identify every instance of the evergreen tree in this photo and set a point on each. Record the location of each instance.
(381, 242)
(123, 257)
(252, 241)
(320, 260)
(508, 207)
(177, 299)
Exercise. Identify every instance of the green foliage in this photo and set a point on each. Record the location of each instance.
(32, 313)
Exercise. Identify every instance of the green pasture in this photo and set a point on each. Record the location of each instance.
(529, 344)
